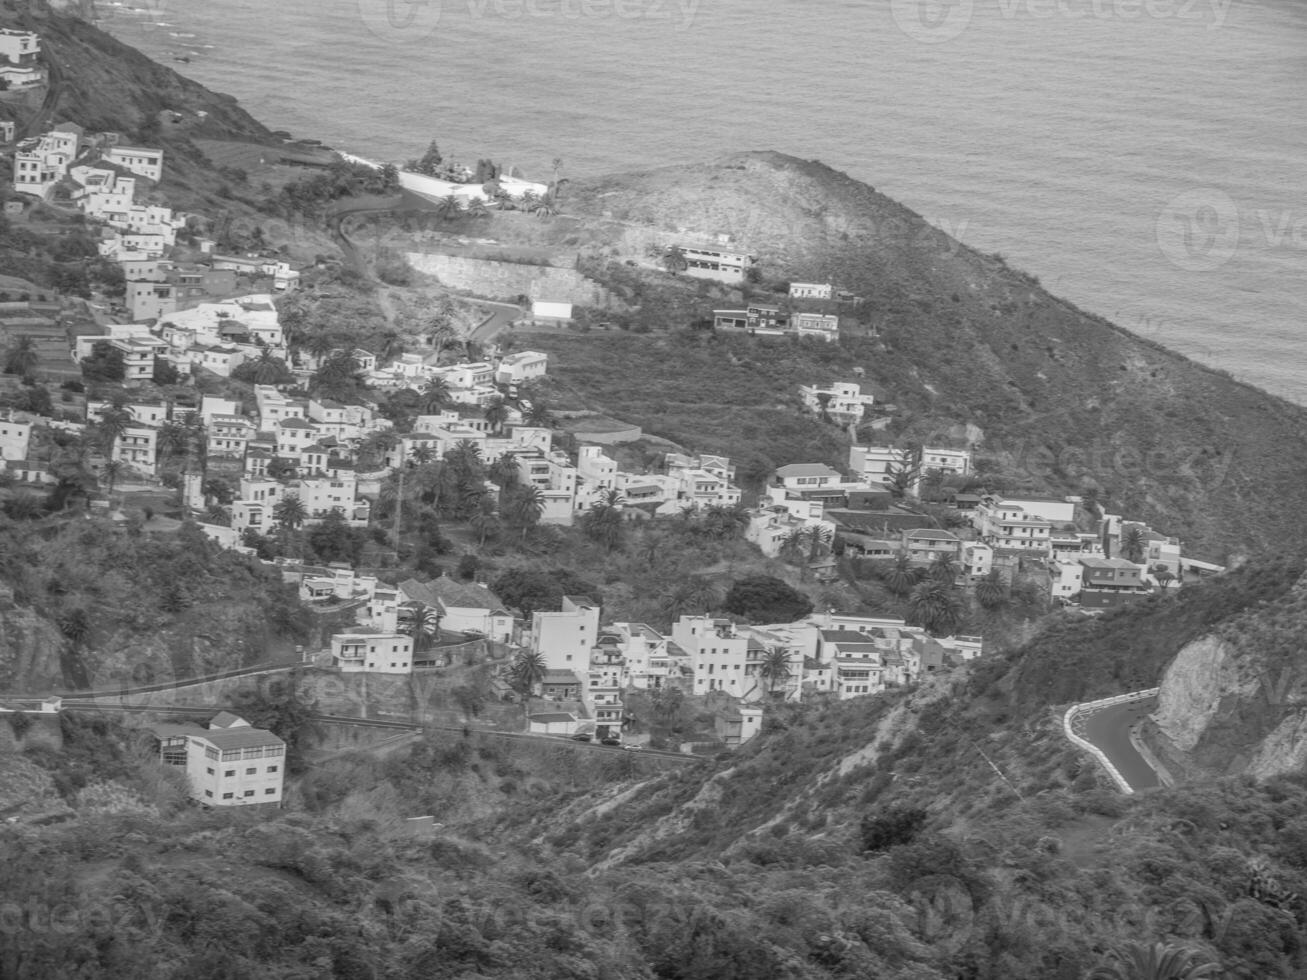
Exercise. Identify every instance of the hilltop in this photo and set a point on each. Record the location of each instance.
(1064, 399)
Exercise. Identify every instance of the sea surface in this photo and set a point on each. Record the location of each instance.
(1147, 159)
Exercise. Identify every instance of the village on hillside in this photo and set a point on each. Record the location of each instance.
(311, 446)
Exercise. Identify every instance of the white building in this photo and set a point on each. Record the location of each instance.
(142, 161)
(522, 366)
(877, 465)
(380, 653)
(15, 437)
(233, 764)
(20, 63)
(564, 638)
(842, 401)
(811, 290)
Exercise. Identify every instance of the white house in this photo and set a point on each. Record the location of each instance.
(842, 401)
(564, 637)
(232, 763)
(142, 161)
(877, 465)
(15, 437)
(521, 366)
(380, 653)
(811, 290)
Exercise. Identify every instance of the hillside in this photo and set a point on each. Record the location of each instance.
(1064, 399)
(87, 605)
(944, 832)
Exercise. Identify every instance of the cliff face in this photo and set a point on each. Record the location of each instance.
(1235, 701)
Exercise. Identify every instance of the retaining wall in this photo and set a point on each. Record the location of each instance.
(1094, 750)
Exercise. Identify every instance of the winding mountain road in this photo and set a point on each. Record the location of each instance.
(1108, 728)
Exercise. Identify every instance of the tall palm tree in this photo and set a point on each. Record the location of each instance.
(692, 594)
(496, 414)
(111, 471)
(504, 472)
(944, 568)
(674, 260)
(775, 669)
(465, 459)
(1132, 543)
(527, 671)
(436, 394)
(172, 440)
(934, 605)
(545, 207)
(1156, 961)
(289, 511)
(113, 423)
(901, 575)
(525, 507)
(22, 356)
(476, 208)
(268, 369)
(484, 521)
(424, 626)
(991, 593)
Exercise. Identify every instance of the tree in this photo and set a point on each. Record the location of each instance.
(112, 425)
(934, 605)
(430, 161)
(503, 472)
(775, 668)
(690, 595)
(496, 414)
(22, 357)
(527, 671)
(436, 394)
(1156, 961)
(901, 575)
(484, 522)
(266, 369)
(539, 415)
(991, 593)
(767, 599)
(526, 504)
(332, 539)
(105, 363)
(289, 511)
(424, 626)
(944, 568)
(901, 479)
(674, 260)
(111, 471)
(165, 372)
(338, 377)
(602, 523)
(529, 590)
(1133, 543)
(899, 825)
(1163, 576)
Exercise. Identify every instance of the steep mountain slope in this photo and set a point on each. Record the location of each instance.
(1063, 397)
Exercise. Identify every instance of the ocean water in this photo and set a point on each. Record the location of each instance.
(1147, 159)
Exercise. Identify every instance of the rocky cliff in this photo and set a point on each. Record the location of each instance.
(1235, 701)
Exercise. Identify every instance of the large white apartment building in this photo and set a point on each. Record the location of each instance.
(564, 638)
(233, 764)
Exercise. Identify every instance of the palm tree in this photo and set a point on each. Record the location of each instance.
(424, 626)
(464, 459)
(172, 439)
(484, 521)
(421, 454)
(113, 423)
(545, 207)
(944, 568)
(496, 414)
(603, 523)
(525, 506)
(539, 415)
(934, 605)
(25, 506)
(674, 260)
(503, 472)
(991, 593)
(901, 575)
(289, 511)
(268, 369)
(527, 670)
(476, 208)
(111, 471)
(721, 521)
(436, 394)
(1140, 961)
(775, 669)
(693, 594)
(1132, 543)
(22, 357)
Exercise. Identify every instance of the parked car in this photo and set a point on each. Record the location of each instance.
(610, 741)
(582, 737)
(632, 747)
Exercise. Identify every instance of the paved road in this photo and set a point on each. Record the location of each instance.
(1109, 729)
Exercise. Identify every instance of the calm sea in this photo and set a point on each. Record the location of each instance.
(1147, 159)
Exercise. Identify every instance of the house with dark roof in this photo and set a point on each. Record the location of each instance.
(466, 607)
(228, 763)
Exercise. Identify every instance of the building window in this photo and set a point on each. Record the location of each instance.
(228, 773)
(271, 790)
(272, 768)
(228, 796)
(251, 771)
(249, 792)
(209, 770)
(209, 793)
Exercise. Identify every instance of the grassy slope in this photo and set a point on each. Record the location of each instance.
(1063, 396)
